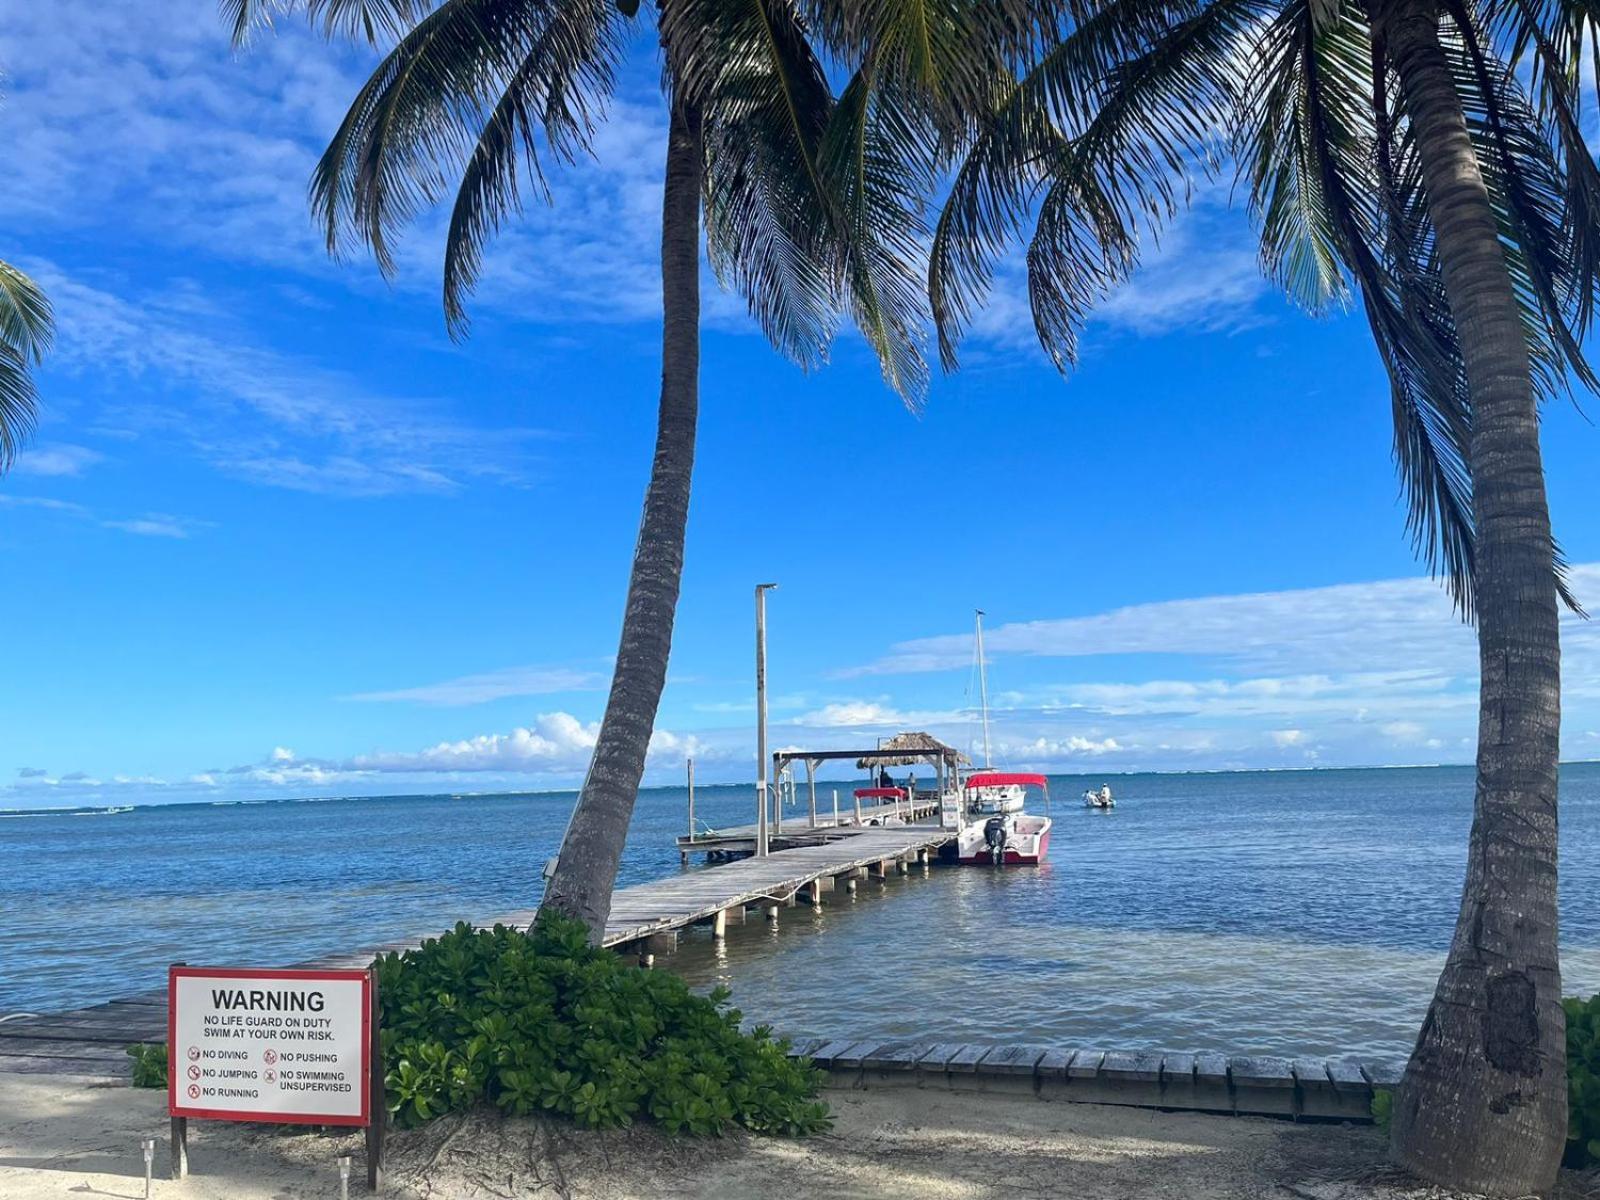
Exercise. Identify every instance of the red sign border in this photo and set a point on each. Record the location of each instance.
(174, 1067)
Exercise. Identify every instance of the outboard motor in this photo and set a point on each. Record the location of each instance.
(994, 836)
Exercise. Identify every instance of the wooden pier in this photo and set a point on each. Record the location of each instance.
(645, 919)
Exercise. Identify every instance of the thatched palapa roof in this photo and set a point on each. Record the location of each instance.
(909, 749)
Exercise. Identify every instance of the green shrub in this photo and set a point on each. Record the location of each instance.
(1583, 1080)
(149, 1065)
(1382, 1108)
(545, 1022)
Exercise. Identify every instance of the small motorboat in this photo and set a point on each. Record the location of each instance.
(1000, 833)
(1099, 799)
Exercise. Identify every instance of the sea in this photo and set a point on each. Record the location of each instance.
(1296, 913)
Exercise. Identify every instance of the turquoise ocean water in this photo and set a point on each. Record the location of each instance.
(1279, 912)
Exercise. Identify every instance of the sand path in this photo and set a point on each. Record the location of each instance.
(63, 1138)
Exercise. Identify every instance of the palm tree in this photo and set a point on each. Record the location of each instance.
(812, 203)
(1427, 155)
(27, 327)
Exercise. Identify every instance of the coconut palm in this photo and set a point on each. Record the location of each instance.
(26, 329)
(1425, 155)
(812, 204)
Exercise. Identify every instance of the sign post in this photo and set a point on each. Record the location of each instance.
(292, 1046)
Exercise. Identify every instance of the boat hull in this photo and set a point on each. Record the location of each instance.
(1030, 855)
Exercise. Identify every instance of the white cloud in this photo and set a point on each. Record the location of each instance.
(1288, 737)
(851, 713)
(162, 525)
(150, 525)
(1044, 750)
(490, 685)
(1399, 625)
(259, 415)
(214, 150)
(1403, 731)
(57, 459)
(43, 502)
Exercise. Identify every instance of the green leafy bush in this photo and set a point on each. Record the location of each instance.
(149, 1065)
(545, 1022)
(1583, 1080)
(1382, 1108)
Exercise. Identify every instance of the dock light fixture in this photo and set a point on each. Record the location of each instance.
(149, 1145)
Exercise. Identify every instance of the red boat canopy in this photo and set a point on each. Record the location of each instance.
(879, 793)
(1002, 778)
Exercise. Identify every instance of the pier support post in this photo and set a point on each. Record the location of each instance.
(661, 943)
(772, 915)
(719, 924)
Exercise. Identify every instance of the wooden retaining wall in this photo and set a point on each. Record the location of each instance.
(1339, 1089)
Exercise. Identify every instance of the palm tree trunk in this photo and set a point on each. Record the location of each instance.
(587, 868)
(1483, 1104)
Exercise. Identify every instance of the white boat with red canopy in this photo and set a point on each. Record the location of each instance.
(1000, 832)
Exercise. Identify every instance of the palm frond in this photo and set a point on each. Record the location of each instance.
(27, 329)
(375, 21)
(27, 321)
(876, 160)
(951, 56)
(1338, 192)
(452, 91)
(1104, 134)
(750, 67)
(1304, 141)
(557, 91)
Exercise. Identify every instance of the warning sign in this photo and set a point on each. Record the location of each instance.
(251, 1045)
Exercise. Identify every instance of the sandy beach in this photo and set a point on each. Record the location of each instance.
(71, 1138)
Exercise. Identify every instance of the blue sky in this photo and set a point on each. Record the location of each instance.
(279, 536)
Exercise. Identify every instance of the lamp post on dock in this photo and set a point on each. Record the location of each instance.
(761, 717)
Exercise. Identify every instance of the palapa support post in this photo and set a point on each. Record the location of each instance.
(378, 1111)
(811, 787)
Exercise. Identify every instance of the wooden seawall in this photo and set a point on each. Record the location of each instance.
(1264, 1085)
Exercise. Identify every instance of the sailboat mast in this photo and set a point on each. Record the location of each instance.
(983, 692)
